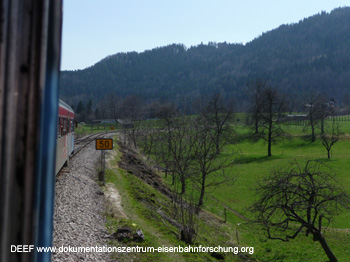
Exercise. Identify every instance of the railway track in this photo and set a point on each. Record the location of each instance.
(83, 142)
(84, 139)
(79, 144)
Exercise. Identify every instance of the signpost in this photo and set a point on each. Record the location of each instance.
(103, 144)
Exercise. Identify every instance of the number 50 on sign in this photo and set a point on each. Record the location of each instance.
(104, 144)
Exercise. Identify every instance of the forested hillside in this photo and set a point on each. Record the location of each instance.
(311, 54)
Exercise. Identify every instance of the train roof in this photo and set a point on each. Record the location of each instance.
(65, 106)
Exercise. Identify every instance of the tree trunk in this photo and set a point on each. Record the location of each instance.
(322, 126)
(325, 247)
(200, 202)
(169, 141)
(269, 140)
(133, 137)
(256, 126)
(183, 185)
(329, 153)
(313, 133)
(217, 144)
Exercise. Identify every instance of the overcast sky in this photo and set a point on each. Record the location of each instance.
(94, 29)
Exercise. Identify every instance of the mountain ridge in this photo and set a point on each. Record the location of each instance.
(311, 54)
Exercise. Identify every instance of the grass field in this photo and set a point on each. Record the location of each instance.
(85, 129)
(252, 163)
(142, 203)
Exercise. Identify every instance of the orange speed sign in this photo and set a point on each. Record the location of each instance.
(104, 144)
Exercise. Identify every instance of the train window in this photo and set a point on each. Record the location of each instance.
(64, 126)
(72, 125)
(60, 125)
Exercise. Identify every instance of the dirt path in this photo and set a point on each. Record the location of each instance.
(114, 200)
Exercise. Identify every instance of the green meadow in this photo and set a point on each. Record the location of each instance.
(252, 163)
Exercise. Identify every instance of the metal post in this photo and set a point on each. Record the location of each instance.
(104, 166)
(101, 160)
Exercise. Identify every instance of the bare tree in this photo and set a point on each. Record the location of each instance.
(299, 198)
(323, 110)
(311, 106)
(317, 112)
(108, 107)
(148, 138)
(101, 111)
(175, 145)
(190, 150)
(113, 106)
(169, 115)
(183, 142)
(331, 137)
(293, 100)
(157, 133)
(256, 89)
(220, 115)
(209, 166)
(132, 114)
(184, 208)
(273, 105)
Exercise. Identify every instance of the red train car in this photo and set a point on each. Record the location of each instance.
(65, 135)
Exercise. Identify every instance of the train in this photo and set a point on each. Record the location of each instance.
(65, 135)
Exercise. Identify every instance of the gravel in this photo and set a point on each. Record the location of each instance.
(79, 208)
